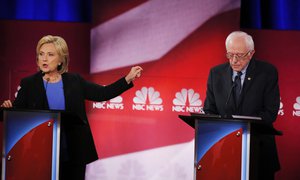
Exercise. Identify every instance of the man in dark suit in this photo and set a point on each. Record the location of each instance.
(246, 86)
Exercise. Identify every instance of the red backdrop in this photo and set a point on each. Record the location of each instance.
(185, 66)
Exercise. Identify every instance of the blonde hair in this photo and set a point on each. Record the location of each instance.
(61, 48)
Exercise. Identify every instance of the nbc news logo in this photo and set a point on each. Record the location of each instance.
(115, 103)
(187, 101)
(280, 111)
(296, 111)
(147, 99)
(16, 93)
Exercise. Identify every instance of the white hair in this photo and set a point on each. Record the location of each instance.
(247, 37)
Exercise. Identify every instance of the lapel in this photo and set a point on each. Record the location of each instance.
(40, 90)
(67, 89)
(250, 75)
(228, 79)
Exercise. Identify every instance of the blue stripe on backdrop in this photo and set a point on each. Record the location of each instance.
(270, 14)
(46, 10)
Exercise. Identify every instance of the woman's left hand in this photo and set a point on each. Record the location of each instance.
(134, 73)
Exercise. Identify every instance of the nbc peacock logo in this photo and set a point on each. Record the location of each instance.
(187, 100)
(280, 111)
(16, 93)
(147, 99)
(115, 103)
(296, 111)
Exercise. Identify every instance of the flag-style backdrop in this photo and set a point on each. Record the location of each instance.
(138, 135)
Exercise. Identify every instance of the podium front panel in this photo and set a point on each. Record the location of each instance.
(31, 145)
(221, 149)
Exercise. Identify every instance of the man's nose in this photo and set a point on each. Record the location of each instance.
(235, 59)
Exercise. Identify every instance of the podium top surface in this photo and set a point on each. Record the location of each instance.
(66, 115)
(254, 121)
(31, 110)
(231, 118)
(190, 120)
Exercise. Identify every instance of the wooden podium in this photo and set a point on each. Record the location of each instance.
(31, 144)
(222, 146)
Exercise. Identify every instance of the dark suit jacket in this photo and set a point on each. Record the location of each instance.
(259, 97)
(79, 141)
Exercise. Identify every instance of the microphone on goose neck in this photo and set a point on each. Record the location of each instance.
(47, 80)
(227, 100)
(230, 93)
(43, 74)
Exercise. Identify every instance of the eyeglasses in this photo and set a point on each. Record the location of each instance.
(238, 56)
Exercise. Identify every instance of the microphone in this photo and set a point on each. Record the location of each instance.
(230, 93)
(43, 73)
(228, 115)
(47, 80)
(231, 89)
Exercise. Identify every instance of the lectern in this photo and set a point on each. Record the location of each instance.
(222, 146)
(31, 143)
